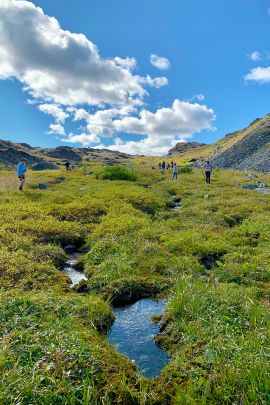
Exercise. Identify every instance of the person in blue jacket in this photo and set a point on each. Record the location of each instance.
(21, 170)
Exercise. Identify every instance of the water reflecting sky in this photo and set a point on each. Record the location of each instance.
(132, 334)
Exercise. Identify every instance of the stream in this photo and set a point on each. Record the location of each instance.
(132, 334)
(74, 275)
(177, 206)
(132, 331)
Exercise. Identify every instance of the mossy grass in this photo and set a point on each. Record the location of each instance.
(116, 173)
(210, 260)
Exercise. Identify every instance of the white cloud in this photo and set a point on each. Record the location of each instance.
(59, 66)
(159, 130)
(84, 139)
(259, 74)
(54, 110)
(80, 114)
(199, 97)
(160, 62)
(68, 79)
(56, 129)
(157, 82)
(127, 63)
(181, 119)
(255, 56)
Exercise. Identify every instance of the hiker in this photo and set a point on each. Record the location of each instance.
(67, 164)
(168, 166)
(21, 170)
(175, 171)
(208, 171)
(159, 165)
(163, 165)
(172, 164)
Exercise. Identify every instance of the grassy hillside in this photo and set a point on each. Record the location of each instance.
(210, 260)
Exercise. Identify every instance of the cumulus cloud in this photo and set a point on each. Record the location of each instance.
(158, 130)
(127, 63)
(67, 79)
(255, 56)
(157, 82)
(160, 62)
(55, 111)
(182, 118)
(259, 75)
(84, 139)
(57, 129)
(57, 65)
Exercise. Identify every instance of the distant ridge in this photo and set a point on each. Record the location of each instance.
(11, 153)
(247, 149)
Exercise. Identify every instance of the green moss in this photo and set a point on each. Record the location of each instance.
(210, 259)
(116, 173)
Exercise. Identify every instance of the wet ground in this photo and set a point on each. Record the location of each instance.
(68, 268)
(132, 334)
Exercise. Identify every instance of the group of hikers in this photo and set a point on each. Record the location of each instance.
(22, 168)
(162, 166)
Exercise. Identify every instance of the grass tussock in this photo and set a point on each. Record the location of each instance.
(116, 173)
(210, 259)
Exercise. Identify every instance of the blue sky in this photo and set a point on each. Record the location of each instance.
(56, 90)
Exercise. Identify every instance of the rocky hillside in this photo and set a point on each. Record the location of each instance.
(11, 153)
(182, 147)
(61, 152)
(248, 149)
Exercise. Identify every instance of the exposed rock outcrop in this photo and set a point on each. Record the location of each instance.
(182, 147)
(10, 156)
(45, 166)
(62, 152)
(251, 151)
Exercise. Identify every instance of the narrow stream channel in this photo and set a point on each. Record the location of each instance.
(177, 206)
(68, 268)
(132, 334)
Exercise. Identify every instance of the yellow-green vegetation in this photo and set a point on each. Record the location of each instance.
(210, 259)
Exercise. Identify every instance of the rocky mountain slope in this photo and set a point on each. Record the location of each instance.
(248, 149)
(11, 153)
(182, 147)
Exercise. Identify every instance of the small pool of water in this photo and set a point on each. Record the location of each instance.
(132, 334)
(75, 275)
(177, 206)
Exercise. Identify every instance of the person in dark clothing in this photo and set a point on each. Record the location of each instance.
(163, 165)
(208, 172)
(67, 164)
